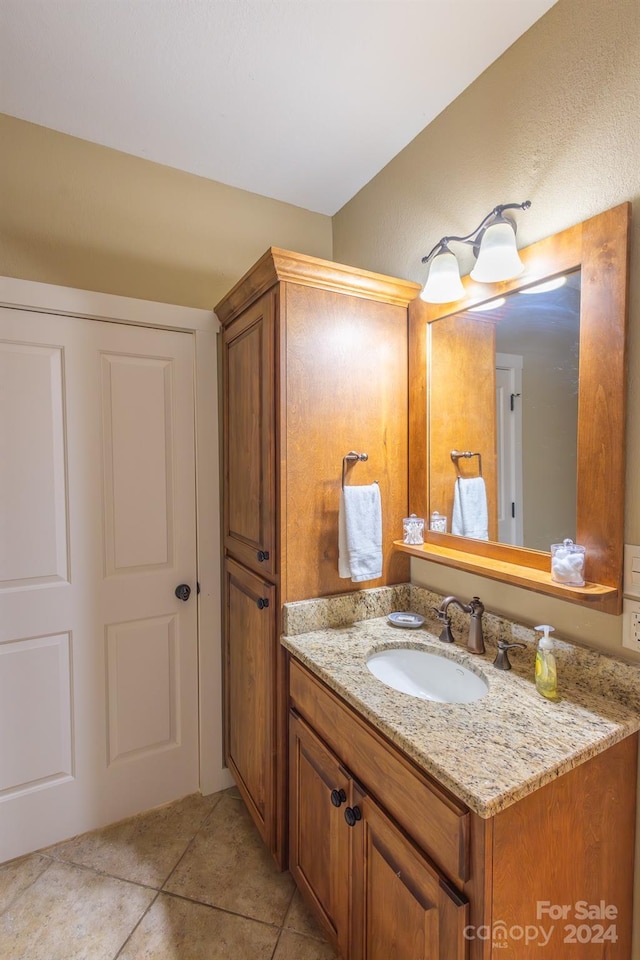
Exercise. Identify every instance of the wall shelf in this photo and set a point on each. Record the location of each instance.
(514, 574)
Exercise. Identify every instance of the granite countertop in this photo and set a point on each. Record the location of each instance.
(496, 750)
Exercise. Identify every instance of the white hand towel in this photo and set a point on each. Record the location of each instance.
(470, 515)
(360, 533)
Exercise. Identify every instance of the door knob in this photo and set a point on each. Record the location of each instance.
(183, 591)
(352, 815)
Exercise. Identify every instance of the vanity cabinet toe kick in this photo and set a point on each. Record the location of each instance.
(395, 866)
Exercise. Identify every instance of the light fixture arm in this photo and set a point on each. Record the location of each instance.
(474, 238)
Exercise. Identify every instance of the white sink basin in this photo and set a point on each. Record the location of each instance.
(426, 675)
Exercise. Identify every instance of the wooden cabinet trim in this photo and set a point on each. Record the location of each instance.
(435, 819)
(285, 265)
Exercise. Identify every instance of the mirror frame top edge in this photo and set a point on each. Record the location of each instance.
(599, 247)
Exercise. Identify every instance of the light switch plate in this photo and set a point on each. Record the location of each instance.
(631, 583)
(631, 624)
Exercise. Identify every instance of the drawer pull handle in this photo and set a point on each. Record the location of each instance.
(338, 797)
(262, 555)
(262, 602)
(352, 815)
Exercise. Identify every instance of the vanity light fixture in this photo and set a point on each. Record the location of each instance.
(494, 247)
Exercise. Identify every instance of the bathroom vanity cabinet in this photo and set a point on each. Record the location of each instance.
(394, 865)
(314, 365)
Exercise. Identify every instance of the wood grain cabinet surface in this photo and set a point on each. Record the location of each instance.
(314, 365)
(250, 657)
(554, 870)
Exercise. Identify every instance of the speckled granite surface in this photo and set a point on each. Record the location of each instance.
(500, 748)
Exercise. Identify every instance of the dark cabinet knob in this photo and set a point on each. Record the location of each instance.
(263, 555)
(338, 797)
(262, 602)
(183, 591)
(352, 815)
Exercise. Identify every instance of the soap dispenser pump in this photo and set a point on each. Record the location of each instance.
(546, 672)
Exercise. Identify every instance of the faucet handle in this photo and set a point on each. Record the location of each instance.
(446, 636)
(502, 661)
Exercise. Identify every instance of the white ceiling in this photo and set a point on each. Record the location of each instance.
(300, 100)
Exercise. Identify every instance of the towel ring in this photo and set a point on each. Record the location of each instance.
(351, 457)
(467, 454)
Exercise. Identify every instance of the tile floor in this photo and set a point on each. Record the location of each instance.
(188, 881)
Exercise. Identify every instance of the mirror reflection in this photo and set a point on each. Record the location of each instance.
(503, 384)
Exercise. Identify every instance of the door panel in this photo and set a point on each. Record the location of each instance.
(137, 399)
(35, 690)
(402, 906)
(250, 656)
(249, 437)
(33, 532)
(142, 717)
(98, 658)
(319, 842)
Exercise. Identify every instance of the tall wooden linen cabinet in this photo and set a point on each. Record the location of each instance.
(314, 365)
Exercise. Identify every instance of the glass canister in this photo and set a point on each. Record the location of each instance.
(567, 563)
(413, 530)
(438, 522)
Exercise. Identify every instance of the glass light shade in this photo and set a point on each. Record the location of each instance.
(443, 283)
(498, 257)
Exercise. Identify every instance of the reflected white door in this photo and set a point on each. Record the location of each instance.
(509, 442)
(98, 657)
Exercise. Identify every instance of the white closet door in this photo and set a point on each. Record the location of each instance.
(98, 657)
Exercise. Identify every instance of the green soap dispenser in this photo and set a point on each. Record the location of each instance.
(546, 672)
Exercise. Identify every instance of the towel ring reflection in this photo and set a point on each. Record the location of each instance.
(467, 454)
(351, 457)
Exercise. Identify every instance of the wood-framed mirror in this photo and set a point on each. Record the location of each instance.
(452, 393)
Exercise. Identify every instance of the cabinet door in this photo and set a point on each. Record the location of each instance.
(402, 908)
(250, 656)
(319, 840)
(248, 436)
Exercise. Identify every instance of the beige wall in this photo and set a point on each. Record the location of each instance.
(82, 215)
(554, 120)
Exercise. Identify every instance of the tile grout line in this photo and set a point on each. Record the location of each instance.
(28, 887)
(135, 926)
(226, 910)
(276, 944)
(189, 845)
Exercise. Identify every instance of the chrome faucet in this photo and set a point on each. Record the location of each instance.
(475, 607)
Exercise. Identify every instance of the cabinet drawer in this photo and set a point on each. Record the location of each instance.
(437, 821)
